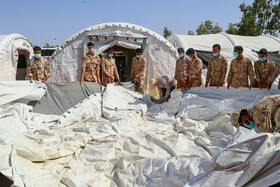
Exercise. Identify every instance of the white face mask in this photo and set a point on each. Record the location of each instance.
(91, 50)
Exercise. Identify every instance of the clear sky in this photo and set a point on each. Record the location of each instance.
(42, 20)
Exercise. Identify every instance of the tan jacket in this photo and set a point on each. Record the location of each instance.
(264, 71)
(194, 71)
(138, 68)
(92, 65)
(239, 72)
(109, 69)
(275, 75)
(266, 113)
(38, 68)
(217, 70)
(181, 69)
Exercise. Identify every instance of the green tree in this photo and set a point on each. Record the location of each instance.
(262, 17)
(166, 32)
(190, 32)
(232, 28)
(208, 28)
(47, 45)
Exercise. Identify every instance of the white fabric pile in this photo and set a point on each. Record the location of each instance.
(188, 141)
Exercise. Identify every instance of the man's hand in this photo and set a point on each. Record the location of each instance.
(250, 86)
(112, 78)
(188, 85)
(99, 82)
(166, 99)
(206, 84)
(134, 80)
(259, 85)
(269, 85)
(81, 80)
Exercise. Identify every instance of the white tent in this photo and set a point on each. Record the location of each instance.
(125, 38)
(204, 43)
(15, 50)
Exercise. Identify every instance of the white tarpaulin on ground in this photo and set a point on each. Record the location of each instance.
(188, 141)
(10, 47)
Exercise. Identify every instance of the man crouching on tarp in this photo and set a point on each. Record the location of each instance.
(265, 114)
(165, 85)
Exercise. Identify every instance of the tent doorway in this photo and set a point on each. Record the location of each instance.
(22, 64)
(124, 56)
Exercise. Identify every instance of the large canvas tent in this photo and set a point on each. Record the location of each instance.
(124, 38)
(251, 44)
(15, 51)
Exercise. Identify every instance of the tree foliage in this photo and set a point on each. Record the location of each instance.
(262, 17)
(47, 45)
(208, 28)
(166, 32)
(190, 32)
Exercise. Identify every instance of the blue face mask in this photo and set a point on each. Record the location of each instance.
(181, 55)
(138, 56)
(235, 54)
(110, 55)
(190, 57)
(38, 55)
(91, 50)
(215, 54)
(262, 59)
(251, 124)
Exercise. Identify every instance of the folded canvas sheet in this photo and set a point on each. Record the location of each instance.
(121, 138)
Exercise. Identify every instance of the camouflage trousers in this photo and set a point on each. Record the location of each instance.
(140, 86)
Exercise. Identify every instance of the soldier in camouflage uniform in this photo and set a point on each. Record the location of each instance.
(217, 68)
(240, 68)
(109, 69)
(264, 69)
(91, 65)
(265, 114)
(193, 70)
(38, 67)
(181, 68)
(138, 71)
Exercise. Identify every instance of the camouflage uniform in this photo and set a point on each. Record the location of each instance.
(92, 65)
(38, 68)
(109, 69)
(266, 113)
(193, 70)
(239, 72)
(275, 75)
(166, 83)
(217, 70)
(138, 71)
(181, 70)
(263, 71)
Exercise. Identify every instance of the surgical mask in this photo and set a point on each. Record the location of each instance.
(190, 57)
(38, 55)
(91, 50)
(251, 124)
(138, 56)
(215, 54)
(110, 55)
(262, 59)
(235, 54)
(181, 55)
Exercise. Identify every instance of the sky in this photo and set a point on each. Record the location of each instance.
(43, 20)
